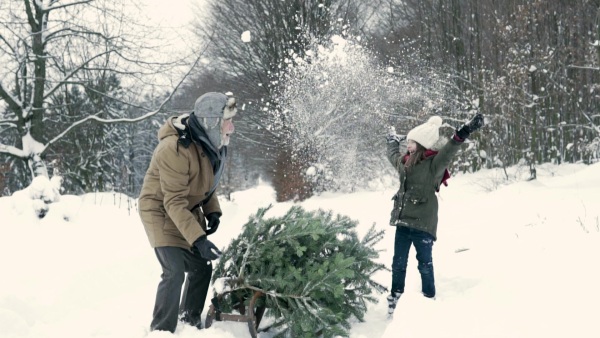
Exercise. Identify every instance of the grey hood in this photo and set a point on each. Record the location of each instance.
(209, 110)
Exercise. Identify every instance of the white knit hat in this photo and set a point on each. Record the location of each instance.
(428, 133)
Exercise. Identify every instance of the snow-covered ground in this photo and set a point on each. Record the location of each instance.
(511, 260)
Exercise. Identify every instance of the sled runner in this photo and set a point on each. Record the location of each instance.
(251, 315)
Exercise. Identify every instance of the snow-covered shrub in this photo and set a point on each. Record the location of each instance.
(37, 197)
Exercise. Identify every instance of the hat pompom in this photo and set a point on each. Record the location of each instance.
(436, 121)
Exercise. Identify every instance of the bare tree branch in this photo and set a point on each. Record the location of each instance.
(583, 67)
(73, 72)
(51, 7)
(13, 151)
(30, 17)
(592, 124)
(74, 32)
(126, 120)
(12, 101)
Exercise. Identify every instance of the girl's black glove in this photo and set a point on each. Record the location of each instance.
(473, 125)
(393, 137)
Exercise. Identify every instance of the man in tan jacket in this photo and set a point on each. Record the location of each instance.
(179, 209)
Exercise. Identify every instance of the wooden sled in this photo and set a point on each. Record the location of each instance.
(251, 315)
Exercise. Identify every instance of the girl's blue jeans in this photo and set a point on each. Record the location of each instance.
(423, 243)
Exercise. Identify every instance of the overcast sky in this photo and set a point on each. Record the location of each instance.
(173, 19)
(173, 12)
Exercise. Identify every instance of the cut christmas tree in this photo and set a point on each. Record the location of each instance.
(310, 269)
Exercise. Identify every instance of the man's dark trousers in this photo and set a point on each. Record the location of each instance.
(175, 263)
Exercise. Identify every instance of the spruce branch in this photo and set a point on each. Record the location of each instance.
(312, 267)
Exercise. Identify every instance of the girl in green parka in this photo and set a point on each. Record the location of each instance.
(415, 213)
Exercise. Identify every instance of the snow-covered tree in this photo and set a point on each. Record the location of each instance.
(62, 65)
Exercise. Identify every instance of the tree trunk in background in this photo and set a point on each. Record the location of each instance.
(289, 178)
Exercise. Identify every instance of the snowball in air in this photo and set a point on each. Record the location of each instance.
(246, 36)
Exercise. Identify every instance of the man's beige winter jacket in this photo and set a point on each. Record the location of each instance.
(177, 179)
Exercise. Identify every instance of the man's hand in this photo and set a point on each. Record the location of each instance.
(207, 249)
(213, 220)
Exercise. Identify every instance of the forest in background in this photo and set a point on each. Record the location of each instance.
(318, 82)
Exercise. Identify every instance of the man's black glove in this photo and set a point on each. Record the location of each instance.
(207, 249)
(213, 222)
(473, 125)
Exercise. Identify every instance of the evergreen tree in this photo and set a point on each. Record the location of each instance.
(313, 269)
